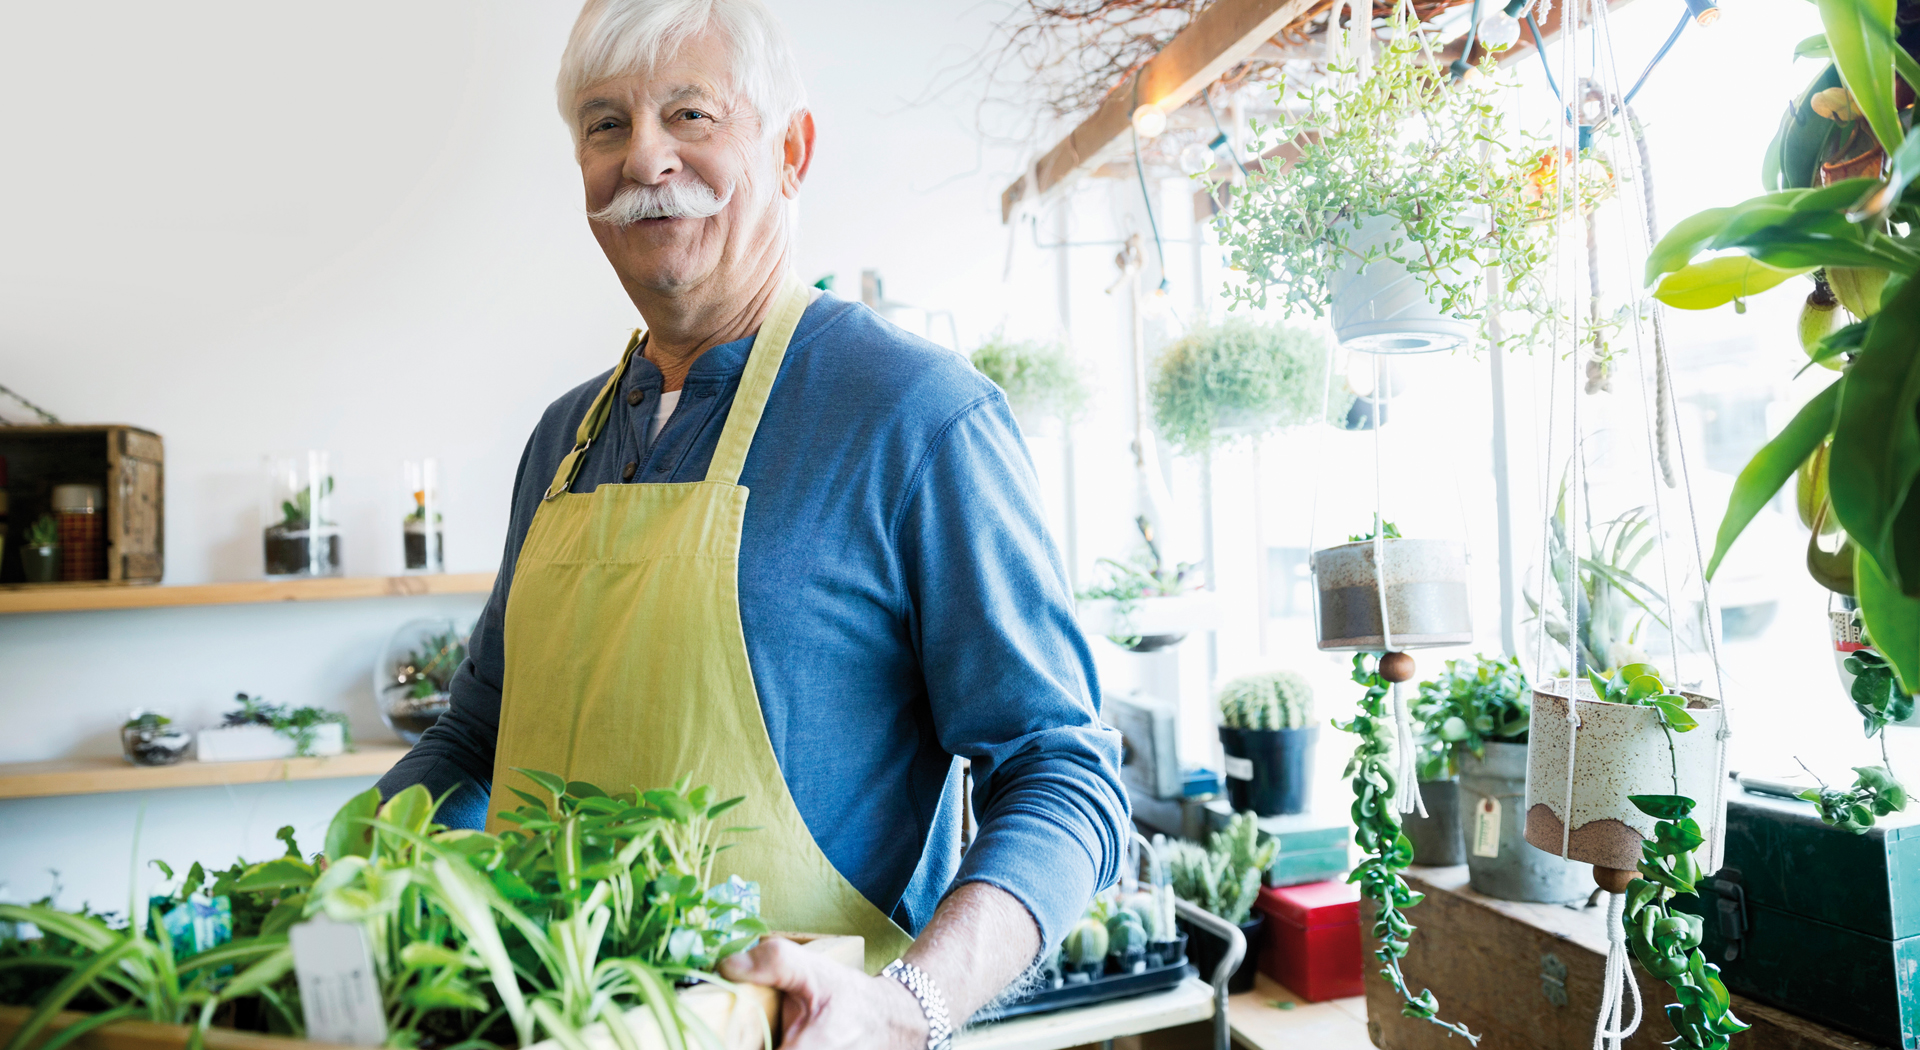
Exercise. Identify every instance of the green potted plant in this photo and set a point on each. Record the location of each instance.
(1223, 878)
(1236, 379)
(260, 730)
(1426, 592)
(1268, 733)
(149, 738)
(40, 550)
(1142, 604)
(302, 537)
(1400, 191)
(1615, 603)
(1041, 380)
(1842, 211)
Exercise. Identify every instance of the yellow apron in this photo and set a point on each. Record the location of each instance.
(627, 666)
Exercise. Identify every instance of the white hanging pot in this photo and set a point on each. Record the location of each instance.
(1426, 582)
(1618, 750)
(1384, 309)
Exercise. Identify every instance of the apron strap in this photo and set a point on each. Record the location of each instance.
(763, 366)
(593, 424)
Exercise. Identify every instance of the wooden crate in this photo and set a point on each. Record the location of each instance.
(1528, 977)
(128, 464)
(737, 1019)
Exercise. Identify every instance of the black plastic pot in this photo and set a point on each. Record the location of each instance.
(40, 564)
(1282, 768)
(1437, 839)
(1205, 950)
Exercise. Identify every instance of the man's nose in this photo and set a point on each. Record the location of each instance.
(652, 155)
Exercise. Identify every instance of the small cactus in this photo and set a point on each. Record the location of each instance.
(1086, 944)
(1224, 878)
(1125, 934)
(1274, 700)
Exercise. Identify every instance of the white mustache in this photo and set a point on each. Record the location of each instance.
(680, 199)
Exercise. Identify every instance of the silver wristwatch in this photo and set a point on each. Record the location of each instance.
(932, 1003)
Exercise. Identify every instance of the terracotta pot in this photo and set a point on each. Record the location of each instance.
(1426, 584)
(1618, 750)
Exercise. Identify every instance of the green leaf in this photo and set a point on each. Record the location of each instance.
(1716, 282)
(1662, 807)
(1876, 437)
(1695, 232)
(277, 874)
(1792, 159)
(1772, 467)
(1676, 716)
(410, 808)
(1892, 619)
(1865, 58)
(554, 785)
(1814, 46)
(348, 835)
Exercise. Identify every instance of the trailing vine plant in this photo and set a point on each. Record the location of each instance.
(1875, 793)
(1667, 942)
(1388, 850)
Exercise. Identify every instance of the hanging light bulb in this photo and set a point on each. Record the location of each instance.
(1501, 29)
(1196, 158)
(1148, 121)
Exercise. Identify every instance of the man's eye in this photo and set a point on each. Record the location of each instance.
(693, 114)
(603, 125)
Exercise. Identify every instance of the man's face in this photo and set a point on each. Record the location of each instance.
(681, 140)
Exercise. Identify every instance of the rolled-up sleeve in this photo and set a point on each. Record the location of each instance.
(1008, 673)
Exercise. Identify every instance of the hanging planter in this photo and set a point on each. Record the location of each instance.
(1426, 594)
(1235, 380)
(1382, 306)
(1043, 385)
(1618, 750)
(1143, 605)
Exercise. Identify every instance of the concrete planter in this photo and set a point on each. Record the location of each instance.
(1426, 582)
(1500, 864)
(1618, 750)
(1384, 309)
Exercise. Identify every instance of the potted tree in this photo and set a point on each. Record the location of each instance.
(1425, 585)
(1268, 734)
(1142, 604)
(1224, 878)
(1237, 379)
(1042, 382)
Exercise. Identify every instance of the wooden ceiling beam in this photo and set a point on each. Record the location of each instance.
(1213, 43)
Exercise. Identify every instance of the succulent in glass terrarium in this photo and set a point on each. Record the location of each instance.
(149, 738)
(413, 681)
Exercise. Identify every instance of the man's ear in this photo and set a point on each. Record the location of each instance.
(796, 153)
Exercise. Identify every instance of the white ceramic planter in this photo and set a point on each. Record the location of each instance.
(1426, 583)
(254, 743)
(1181, 614)
(1618, 750)
(1385, 310)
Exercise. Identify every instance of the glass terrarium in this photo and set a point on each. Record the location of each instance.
(413, 682)
(425, 545)
(302, 536)
(149, 738)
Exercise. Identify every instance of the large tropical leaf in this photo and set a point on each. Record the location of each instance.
(1773, 466)
(1860, 35)
(1892, 619)
(1717, 282)
(1793, 157)
(1876, 439)
(1695, 232)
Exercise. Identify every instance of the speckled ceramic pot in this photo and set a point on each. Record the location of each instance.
(1426, 595)
(1618, 750)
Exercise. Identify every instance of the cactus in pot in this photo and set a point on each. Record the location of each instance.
(1085, 949)
(1267, 731)
(1127, 941)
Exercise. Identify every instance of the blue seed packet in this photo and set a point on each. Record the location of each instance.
(196, 924)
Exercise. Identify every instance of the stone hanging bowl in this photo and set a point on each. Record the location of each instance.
(1426, 583)
(1619, 750)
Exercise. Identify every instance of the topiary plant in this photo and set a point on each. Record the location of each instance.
(1041, 378)
(1258, 377)
(1272, 700)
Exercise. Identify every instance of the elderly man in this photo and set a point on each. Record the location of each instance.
(885, 599)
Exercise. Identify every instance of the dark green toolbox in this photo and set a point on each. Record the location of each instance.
(1817, 921)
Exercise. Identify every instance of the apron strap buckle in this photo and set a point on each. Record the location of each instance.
(564, 480)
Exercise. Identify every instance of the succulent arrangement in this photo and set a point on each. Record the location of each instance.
(1145, 575)
(423, 680)
(298, 724)
(1378, 833)
(1385, 530)
(1224, 876)
(1471, 702)
(1252, 377)
(593, 905)
(1037, 377)
(1615, 603)
(44, 532)
(1273, 700)
(1120, 934)
(149, 738)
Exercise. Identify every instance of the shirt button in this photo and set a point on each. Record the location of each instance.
(634, 397)
(626, 474)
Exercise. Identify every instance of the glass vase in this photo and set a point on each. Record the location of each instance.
(413, 680)
(424, 546)
(301, 535)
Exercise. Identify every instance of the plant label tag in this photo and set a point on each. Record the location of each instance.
(1486, 828)
(1239, 768)
(338, 994)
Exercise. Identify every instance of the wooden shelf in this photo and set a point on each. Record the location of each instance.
(93, 776)
(81, 597)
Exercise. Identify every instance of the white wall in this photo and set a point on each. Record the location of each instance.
(356, 226)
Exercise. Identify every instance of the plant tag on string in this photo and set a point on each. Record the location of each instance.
(1486, 828)
(1239, 768)
(334, 966)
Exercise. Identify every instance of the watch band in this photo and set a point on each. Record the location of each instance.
(932, 1003)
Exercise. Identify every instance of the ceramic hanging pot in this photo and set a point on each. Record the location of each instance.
(1382, 308)
(1618, 750)
(1426, 582)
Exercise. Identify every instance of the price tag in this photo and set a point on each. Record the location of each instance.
(1486, 828)
(338, 994)
(1239, 768)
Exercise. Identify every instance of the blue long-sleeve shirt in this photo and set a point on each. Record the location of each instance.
(902, 604)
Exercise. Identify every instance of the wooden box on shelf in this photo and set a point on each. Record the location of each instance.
(126, 462)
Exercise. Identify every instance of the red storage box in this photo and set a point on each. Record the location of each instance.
(1313, 939)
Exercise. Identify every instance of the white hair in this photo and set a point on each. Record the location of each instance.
(619, 38)
(678, 199)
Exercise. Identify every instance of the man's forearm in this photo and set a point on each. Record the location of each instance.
(980, 940)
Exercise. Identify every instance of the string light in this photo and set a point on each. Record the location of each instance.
(1501, 29)
(1148, 121)
(1705, 12)
(1196, 158)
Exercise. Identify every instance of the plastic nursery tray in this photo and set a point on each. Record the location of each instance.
(1099, 990)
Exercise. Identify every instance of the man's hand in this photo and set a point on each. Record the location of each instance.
(828, 1005)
